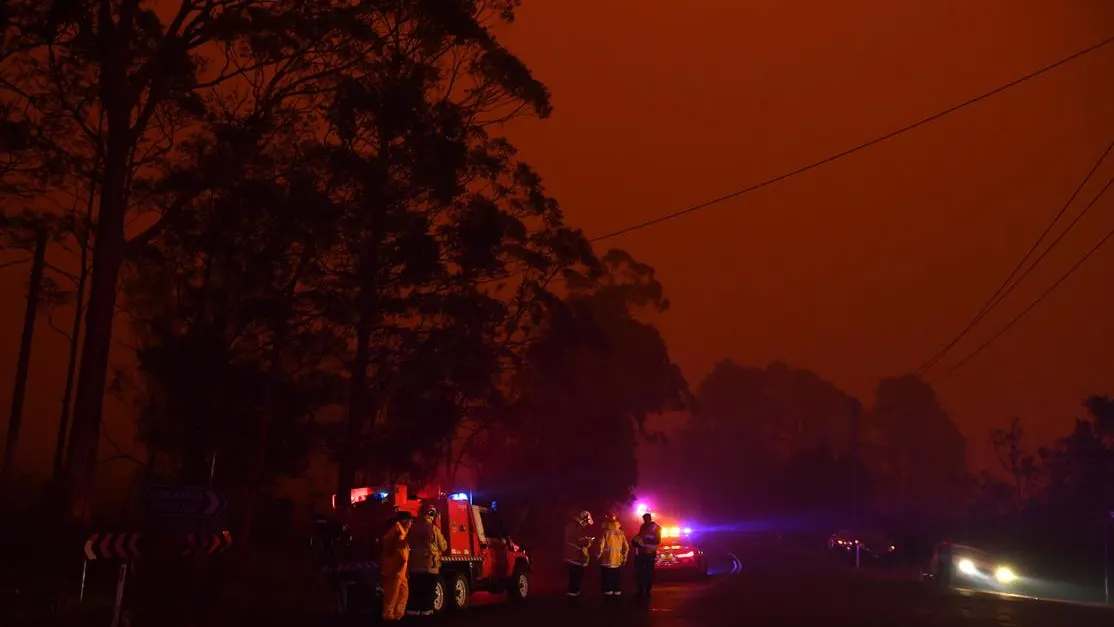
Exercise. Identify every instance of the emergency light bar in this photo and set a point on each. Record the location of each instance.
(458, 496)
(676, 532)
(359, 495)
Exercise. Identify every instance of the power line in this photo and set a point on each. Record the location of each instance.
(1006, 287)
(1031, 306)
(855, 149)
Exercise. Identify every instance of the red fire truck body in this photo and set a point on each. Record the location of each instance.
(481, 556)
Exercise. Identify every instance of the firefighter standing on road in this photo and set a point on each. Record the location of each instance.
(611, 552)
(577, 543)
(646, 547)
(427, 544)
(395, 555)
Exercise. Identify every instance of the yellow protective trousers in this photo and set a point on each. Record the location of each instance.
(396, 591)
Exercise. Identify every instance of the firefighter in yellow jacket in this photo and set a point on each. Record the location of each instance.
(392, 567)
(577, 543)
(427, 545)
(611, 553)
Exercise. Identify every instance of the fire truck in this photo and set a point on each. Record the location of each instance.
(481, 556)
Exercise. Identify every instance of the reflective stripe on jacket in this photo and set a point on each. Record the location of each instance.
(612, 549)
(577, 542)
(427, 545)
(650, 533)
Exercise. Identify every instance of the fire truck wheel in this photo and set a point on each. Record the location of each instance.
(519, 587)
(456, 584)
(439, 596)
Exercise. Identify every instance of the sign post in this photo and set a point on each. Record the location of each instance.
(81, 592)
(1106, 557)
(118, 606)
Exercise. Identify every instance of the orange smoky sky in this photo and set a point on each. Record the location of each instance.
(857, 270)
(865, 267)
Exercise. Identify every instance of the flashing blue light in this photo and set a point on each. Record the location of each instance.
(383, 495)
(459, 496)
(687, 531)
(493, 506)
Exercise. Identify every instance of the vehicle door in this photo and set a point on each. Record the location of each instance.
(498, 544)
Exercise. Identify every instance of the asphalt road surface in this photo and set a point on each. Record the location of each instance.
(760, 599)
(775, 590)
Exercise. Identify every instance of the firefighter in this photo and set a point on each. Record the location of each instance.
(395, 555)
(646, 554)
(611, 553)
(427, 545)
(577, 543)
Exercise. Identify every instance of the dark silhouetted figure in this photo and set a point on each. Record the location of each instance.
(646, 554)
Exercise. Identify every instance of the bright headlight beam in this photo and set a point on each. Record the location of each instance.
(1004, 575)
(967, 567)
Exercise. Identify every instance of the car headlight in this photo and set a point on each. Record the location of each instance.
(1004, 575)
(967, 567)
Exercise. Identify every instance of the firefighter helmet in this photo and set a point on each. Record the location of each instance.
(584, 518)
(429, 510)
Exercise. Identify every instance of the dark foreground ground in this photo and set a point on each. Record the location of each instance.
(763, 586)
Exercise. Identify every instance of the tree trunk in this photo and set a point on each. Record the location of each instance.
(71, 369)
(252, 486)
(75, 337)
(108, 256)
(19, 392)
(357, 415)
(367, 300)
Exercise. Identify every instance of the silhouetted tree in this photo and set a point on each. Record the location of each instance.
(924, 460)
(1067, 495)
(1080, 469)
(432, 245)
(762, 435)
(592, 375)
(198, 92)
(32, 235)
(236, 362)
(113, 78)
(1015, 460)
(1101, 409)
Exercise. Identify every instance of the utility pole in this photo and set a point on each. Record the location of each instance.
(1106, 555)
(19, 392)
(856, 414)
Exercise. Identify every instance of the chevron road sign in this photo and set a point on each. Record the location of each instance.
(186, 501)
(107, 546)
(207, 543)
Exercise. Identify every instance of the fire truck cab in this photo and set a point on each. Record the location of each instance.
(481, 556)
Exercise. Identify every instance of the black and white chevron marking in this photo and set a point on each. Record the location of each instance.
(112, 545)
(207, 543)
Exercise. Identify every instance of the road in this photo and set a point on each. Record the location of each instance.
(793, 600)
(770, 594)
